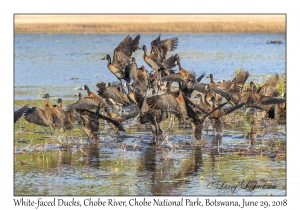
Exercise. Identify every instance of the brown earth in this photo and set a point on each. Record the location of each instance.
(150, 23)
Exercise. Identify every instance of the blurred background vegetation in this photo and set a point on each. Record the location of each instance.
(150, 23)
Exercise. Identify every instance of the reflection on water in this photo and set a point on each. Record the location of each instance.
(131, 166)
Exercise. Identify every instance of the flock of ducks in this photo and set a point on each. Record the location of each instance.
(150, 94)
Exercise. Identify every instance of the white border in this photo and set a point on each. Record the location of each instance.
(118, 6)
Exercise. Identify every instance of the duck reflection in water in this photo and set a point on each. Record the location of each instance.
(252, 135)
(163, 171)
(91, 154)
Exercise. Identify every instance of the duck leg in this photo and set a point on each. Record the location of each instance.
(247, 110)
(158, 81)
(171, 124)
(153, 129)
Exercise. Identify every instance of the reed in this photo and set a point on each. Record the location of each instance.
(151, 24)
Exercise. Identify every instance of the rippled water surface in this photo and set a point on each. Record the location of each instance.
(70, 164)
(57, 63)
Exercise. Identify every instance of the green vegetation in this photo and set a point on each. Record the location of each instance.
(281, 85)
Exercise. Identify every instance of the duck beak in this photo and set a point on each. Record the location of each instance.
(103, 58)
(141, 47)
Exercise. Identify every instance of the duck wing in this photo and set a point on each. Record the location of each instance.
(202, 88)
(170, 62)
(111, 92)
(128, 46)
(87, 103)
(131, 72)
(18, 113)
(120, 60)
(169, 45)
(239, 80)
(230, 96)
(200, 77)
(269, 87)
(37, 116)
(267, 100)
(164, 102)
(177, 77)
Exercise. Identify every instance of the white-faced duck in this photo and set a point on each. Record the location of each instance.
(222, 112)
(218, 113)
(171, 102)
(182, 76)
(113, 93)
(131, 71)
(91, 122)
(122, 55)
(238, 81)
(49, 116)
(236, 85)
(186, 80)
(89, 102)
(140, 76)
(66, 120)
(157, 57)
(250, 98)
(152, 116)
(196, 120)
(212, 82)
(71, 113)
(120, 119)
(268, 88)
(278, 112)
(201, 87)
(203, 105)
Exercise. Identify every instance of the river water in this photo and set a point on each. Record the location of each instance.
(58, 63)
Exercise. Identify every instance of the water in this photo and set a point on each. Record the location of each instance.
(130, 166)
(69, 164)
(58, 63)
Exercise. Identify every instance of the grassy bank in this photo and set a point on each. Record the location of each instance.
(150, 24)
